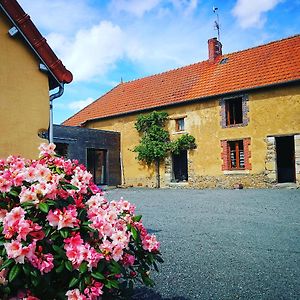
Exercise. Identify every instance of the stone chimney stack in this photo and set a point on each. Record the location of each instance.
(214, 49)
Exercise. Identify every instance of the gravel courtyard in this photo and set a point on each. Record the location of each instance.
(222, 244)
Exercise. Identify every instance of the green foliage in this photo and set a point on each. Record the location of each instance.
(185, 142)
(155, 141)
(145, 122)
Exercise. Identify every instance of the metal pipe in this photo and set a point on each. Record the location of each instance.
(52, 97)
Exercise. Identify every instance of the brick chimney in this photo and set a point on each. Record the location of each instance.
(214, 49)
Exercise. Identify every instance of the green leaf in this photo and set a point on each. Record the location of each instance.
(13, 273)
(70, 187)
(64, 233)
(13, 193)
(83, 267)
(134, 233)
(98, 275)
(6, 263)
(155, 267)
(68, 265)
(73, 282)
(137, 218)
(60, 268)
(44, 207)
(81, 286)
(114, 283)
(159, 259)
(59, 250)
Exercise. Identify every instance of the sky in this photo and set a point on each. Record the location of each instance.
(104, 42)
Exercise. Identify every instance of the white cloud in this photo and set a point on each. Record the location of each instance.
(92, 52)
(135, 7)
(250, 13)
(62, 16)
(78, 105)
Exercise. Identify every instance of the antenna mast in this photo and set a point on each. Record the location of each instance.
(217, 22)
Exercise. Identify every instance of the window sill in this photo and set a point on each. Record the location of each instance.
(236, 172)
(180, 132)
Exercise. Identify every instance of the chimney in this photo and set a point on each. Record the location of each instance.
(214, 49)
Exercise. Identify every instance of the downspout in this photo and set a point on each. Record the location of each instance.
(52, 97)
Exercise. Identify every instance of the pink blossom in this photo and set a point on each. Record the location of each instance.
(117, 252)
(75, 295)
(65, 218)
(150, 243)
(128, 260)
(16, 251)
(47, 149)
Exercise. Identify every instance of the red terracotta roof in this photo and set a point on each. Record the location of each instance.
(273, 63)
(36, 40)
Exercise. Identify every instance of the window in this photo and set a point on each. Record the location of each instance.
(236, 155)
(234, 111)
(179, 124)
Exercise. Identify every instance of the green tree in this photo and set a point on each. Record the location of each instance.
(155, 143)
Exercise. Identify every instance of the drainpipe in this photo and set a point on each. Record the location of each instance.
(52, 97)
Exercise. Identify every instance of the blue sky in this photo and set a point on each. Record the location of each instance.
(101, 42)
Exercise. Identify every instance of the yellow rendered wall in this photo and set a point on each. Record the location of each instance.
(271, 112)
(24, 96)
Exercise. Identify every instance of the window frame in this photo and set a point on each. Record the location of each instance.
(178, 125)
(227, 103)
(238, 151)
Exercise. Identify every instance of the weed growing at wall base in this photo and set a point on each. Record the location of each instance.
(61, 239)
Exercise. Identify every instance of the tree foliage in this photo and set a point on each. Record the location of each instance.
(155, 142)
(185, 142)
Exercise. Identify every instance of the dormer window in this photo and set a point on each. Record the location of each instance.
(179, 124)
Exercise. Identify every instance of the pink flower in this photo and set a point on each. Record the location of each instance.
(128, 260)
(16, 251)
(65, 218)
(117, 252)
(75, 295)
(150, 243)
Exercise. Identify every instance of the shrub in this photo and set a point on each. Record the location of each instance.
(61, 239)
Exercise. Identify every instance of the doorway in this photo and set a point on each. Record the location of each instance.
(285, 159)
(180, 166)
(96, 165)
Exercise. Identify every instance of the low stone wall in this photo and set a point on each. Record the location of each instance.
(231, 181)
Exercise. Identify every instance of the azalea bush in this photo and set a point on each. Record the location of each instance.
(61, 239)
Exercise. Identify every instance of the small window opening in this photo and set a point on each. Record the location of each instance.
(224, 61)
(234, 111)
(236, 155)
(180, 124)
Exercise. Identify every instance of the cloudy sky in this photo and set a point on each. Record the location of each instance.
(102, 41)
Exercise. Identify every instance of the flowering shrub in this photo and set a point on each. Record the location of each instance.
(61, 239)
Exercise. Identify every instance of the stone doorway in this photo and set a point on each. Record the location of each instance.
(285, 159)
(180, 166)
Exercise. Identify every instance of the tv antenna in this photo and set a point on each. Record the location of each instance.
(217, 22)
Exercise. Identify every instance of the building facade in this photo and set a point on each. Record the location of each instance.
(29, 69)
(98, 150)
(243, 109)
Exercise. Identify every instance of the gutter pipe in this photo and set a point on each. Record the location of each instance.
(52, 97)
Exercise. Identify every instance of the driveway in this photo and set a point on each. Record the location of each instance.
(222, 244)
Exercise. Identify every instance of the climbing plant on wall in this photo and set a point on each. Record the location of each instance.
(155, 144)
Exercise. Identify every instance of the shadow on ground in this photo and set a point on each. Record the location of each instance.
(149, 294)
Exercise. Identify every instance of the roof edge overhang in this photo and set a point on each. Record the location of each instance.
(36, 42)
(227, 94)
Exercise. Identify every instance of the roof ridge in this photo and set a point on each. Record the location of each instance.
(204, 61)
(263, 45)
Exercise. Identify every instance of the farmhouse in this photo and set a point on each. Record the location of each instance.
(243, 108)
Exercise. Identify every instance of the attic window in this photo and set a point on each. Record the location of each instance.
(224, 61)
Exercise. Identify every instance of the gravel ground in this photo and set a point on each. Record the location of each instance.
(222, 244)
